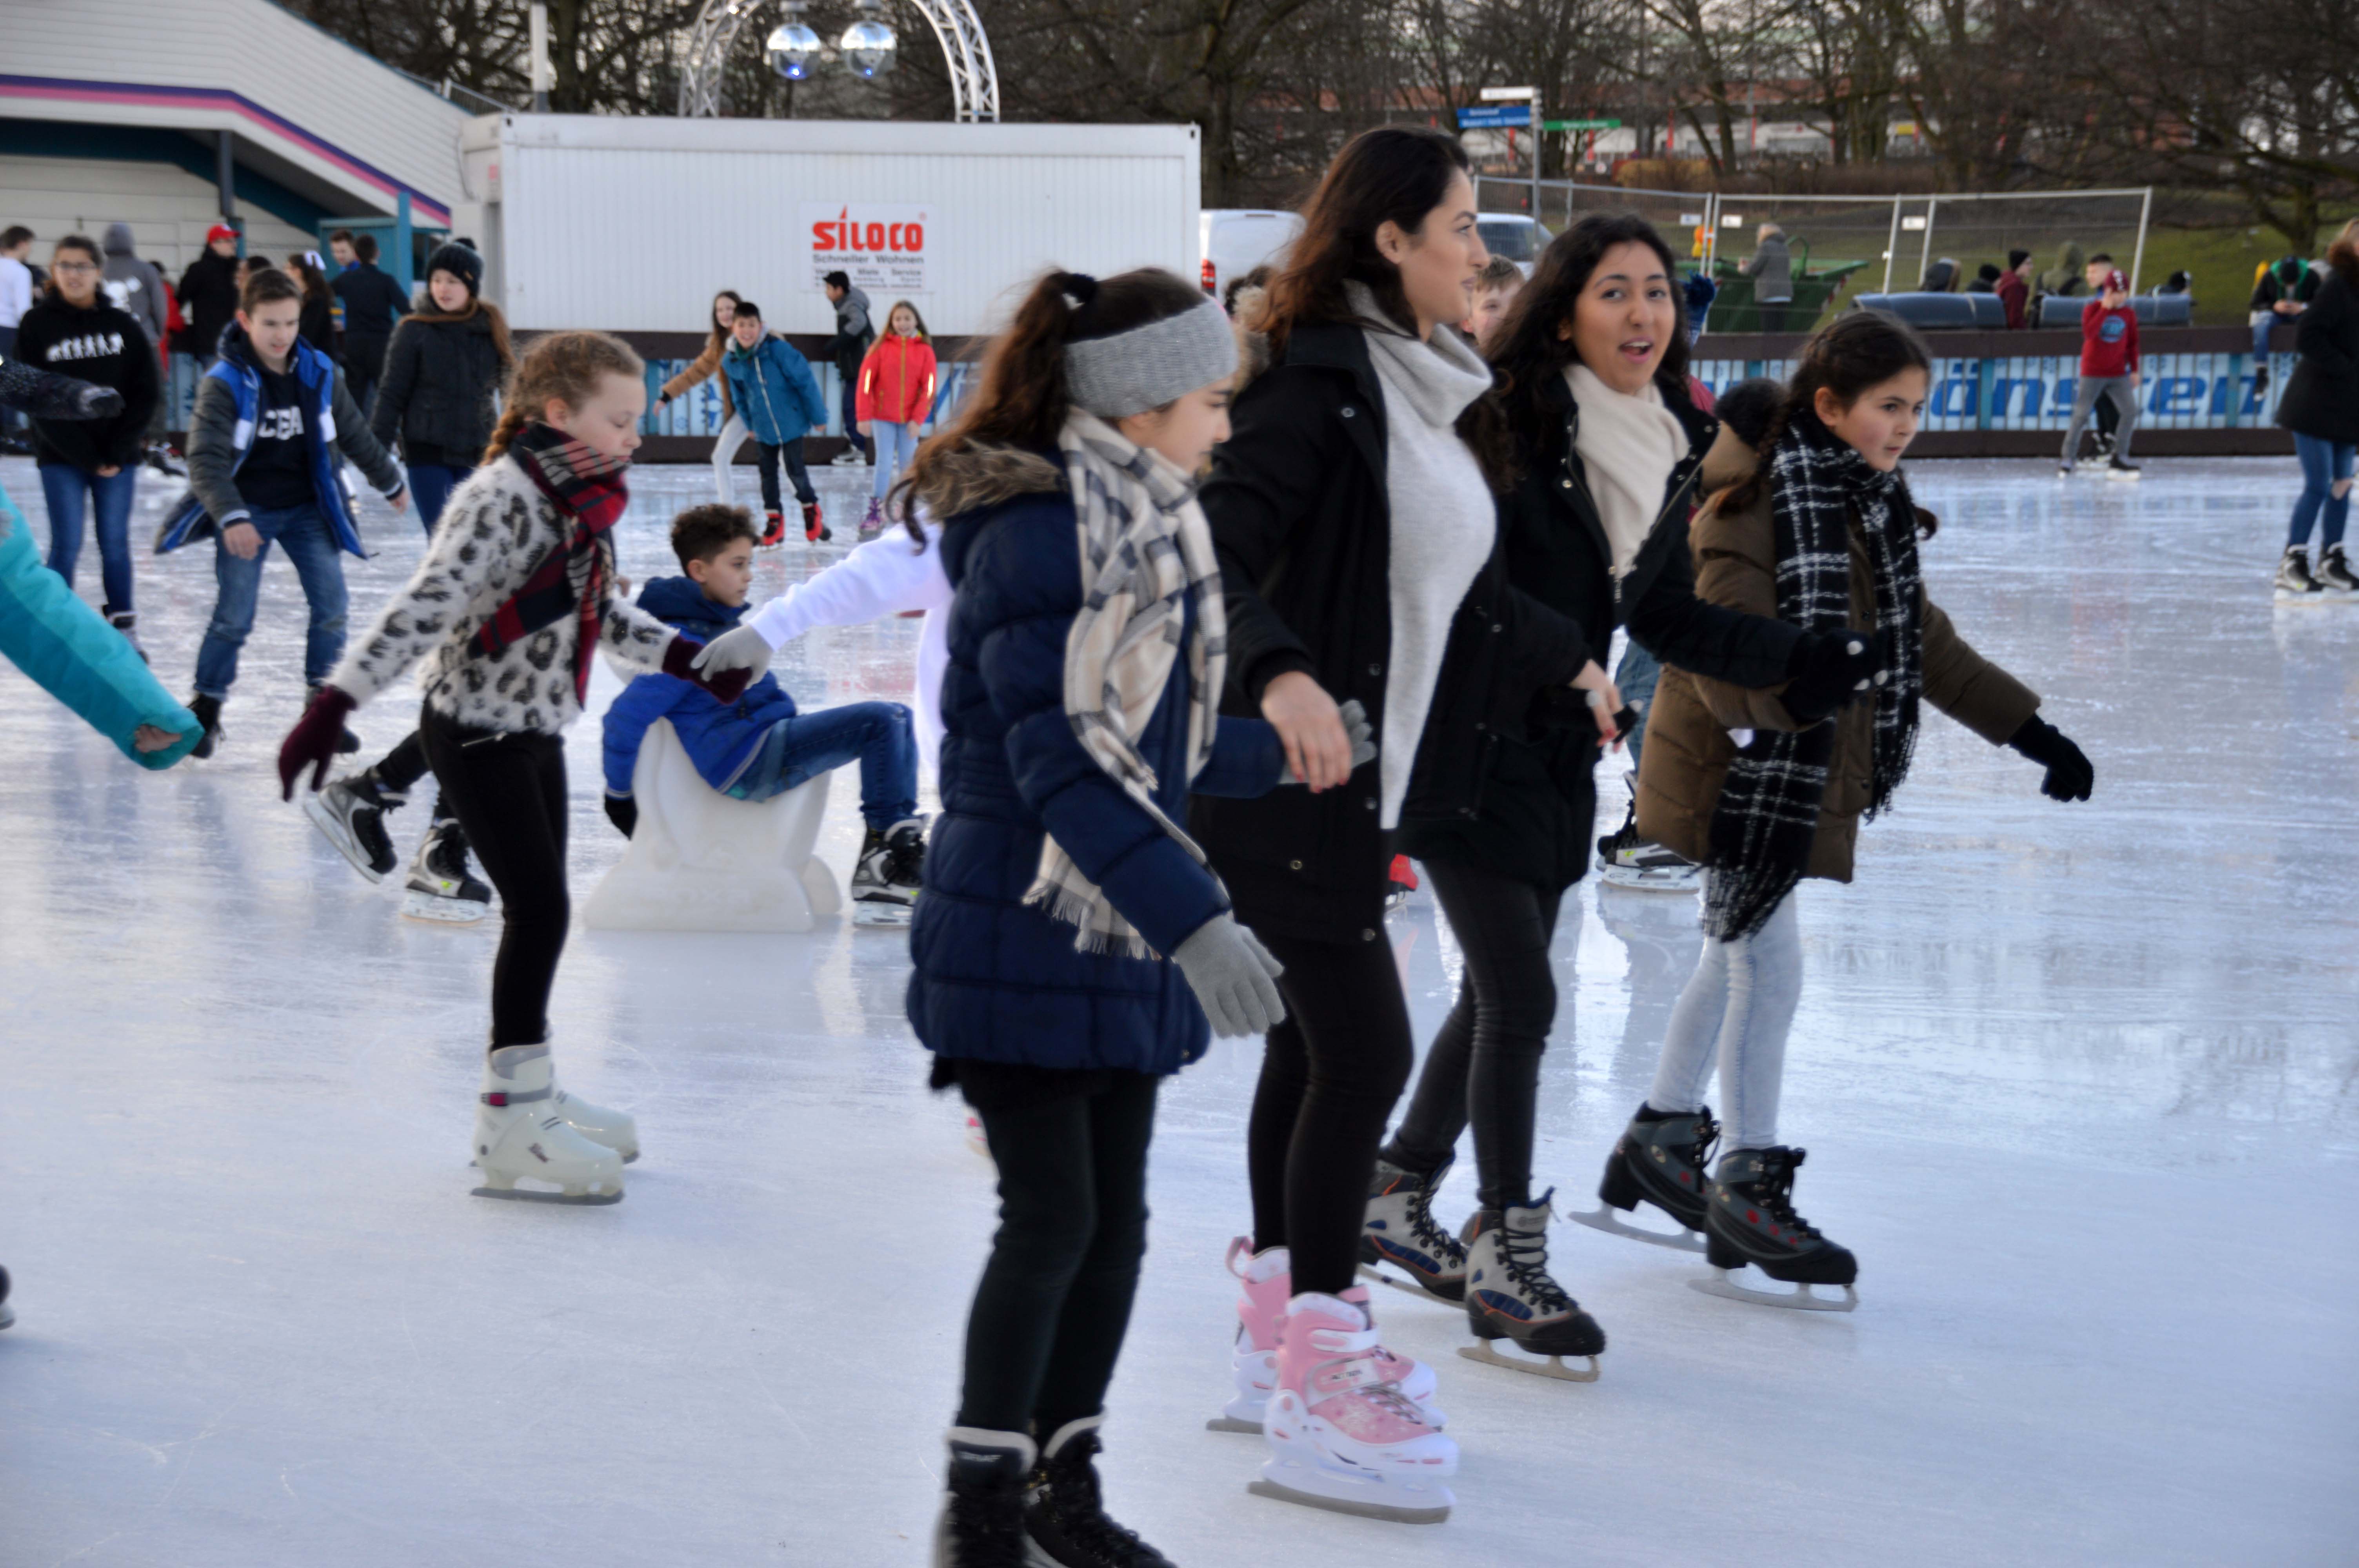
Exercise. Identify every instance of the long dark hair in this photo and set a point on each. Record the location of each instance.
(1850, 353)
(720, 334)
(1395, 174)
(476, 305)
(1530, 353)
(1021, 398)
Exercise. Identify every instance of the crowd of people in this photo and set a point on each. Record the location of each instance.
(1226, 609)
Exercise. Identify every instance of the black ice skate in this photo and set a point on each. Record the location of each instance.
(1400, 1231)
(441, 887)
(2294, 584)
(208, 712)
(1750, 1218)
(1064, 1515)
(1659, 1160)
(1626, 860)
(982, 1517)
(1511, 1295)
(2118, 467)
(350, 813)
(2334, 571)
(890, 875)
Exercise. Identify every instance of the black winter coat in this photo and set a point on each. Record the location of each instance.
(1302, 525)
(105, 345)
(437, 392)
(374, 303)
(1540, 801)
(209, 300)
(2321, 397)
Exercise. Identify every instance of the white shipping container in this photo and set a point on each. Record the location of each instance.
(628, 225)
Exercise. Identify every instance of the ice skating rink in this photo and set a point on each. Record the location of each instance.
(2080, 1085)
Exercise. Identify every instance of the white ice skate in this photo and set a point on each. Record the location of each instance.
(1265, 1281)
(1343, 1438)
(520, 1137)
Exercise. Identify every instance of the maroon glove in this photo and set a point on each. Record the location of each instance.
(727, 685)
(312, 741)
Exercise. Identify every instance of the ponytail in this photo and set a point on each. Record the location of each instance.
(564, 367)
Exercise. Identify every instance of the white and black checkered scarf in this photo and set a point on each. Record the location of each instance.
(1768, 810)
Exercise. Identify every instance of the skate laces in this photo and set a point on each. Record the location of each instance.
(1524, 1255)
(1777, 1192)
(1420, 1221)
(1707, 1135)
(1356, 1368)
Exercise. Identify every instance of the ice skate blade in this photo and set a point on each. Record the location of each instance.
(1392, 1513)
(9, 1316)
(1226, 1423)
(2286, 597)
(431, 911)
(529, 1195)
(1605, 1220)
(1409, 1286)
(1723, 1283)
(868, 912)
(315, 806)
(1686, 881)
(1553, 1367)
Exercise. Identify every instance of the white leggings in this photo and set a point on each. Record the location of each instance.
(724, 451)
(1734, 1015)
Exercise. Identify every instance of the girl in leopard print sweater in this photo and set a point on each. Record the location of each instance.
(514, 599)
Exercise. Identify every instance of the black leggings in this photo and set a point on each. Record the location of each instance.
(1054, 1302)
(404, 766)
(1486, 1060)
(1330, 1077)
(509, 792)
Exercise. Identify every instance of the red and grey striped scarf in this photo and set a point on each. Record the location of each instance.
(586, 486)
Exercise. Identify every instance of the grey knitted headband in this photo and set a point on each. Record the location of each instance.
(1146, 367)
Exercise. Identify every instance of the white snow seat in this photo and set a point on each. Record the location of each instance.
(701, 860)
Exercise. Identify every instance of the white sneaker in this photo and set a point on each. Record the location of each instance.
(521, 1137)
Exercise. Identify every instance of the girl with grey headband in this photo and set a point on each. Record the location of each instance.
(1073, 942)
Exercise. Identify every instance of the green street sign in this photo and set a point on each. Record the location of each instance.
(1580, 124)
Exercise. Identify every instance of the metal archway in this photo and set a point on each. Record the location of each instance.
(966, 50)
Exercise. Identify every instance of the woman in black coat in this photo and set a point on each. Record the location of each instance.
(2321, 406)
(442, 373)
(1606, 447)
(1357, 544)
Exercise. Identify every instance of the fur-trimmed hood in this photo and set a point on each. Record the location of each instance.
(985, 475)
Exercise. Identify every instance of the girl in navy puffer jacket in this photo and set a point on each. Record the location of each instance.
(1071, 940)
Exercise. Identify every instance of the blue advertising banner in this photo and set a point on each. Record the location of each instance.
(1491, 116)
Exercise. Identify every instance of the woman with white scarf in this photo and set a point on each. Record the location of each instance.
(1072, 942)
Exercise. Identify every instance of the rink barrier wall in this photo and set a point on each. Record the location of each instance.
(1994, 395)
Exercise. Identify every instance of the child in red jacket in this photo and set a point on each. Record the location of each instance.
(896, 394)
(2109, 364)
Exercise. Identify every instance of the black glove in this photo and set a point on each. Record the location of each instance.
(46, 396)
(623, 812)
(1827, 671)
(2071, 775)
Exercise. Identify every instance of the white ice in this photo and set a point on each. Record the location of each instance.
(2080, 1085)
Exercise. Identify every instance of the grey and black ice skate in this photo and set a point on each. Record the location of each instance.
(350, 813)
(442, 888)
(982, 1517)
(1511, 1295)
(1399, 1230)
(2334, 571)
(1626, 860)
(1661, 1160)
(1749, 1218)
(890, 875)
(1065, 1516)
(2294, 584)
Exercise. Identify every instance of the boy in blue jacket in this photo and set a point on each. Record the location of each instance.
(758, 746)
(775, 393)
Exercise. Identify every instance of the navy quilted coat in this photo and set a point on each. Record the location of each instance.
(996, 980)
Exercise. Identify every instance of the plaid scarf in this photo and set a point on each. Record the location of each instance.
(587, 487)
(1145, 555)
(1768, 817)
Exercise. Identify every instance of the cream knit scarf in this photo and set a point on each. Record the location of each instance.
(1628, 447)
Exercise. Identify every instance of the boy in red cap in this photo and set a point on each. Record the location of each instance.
(2109, 365)
(209, 292)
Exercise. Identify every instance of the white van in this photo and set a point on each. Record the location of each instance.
(1514, 236)
(1238, 238)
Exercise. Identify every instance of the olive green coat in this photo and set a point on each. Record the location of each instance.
(1689, 745)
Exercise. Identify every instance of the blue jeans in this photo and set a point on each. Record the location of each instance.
(430, 485)
(2323, 464)
(310, 544)
(1734, 1015)
(798, 750)
(1635, 677)
(64, 486)
(896, 445)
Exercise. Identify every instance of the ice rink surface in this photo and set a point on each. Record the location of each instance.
(2080, 1085)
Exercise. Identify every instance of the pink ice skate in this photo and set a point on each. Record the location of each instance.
(1342, 1437)
(1267, 1282)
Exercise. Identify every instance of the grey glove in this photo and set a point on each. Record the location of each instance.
(1355, 729)
(740, 648)
(1234, 977)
